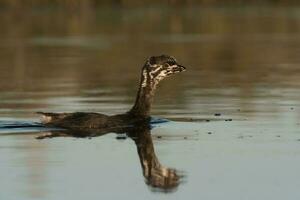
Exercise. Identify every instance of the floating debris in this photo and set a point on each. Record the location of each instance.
(121, 137)
(244, 136)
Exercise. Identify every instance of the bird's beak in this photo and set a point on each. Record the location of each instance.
(180, 68)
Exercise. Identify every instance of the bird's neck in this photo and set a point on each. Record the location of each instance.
(144, 97)
(150, 164)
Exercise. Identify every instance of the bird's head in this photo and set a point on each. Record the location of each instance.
(157, 68)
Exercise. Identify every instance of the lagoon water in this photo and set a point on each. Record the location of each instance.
(234, 129)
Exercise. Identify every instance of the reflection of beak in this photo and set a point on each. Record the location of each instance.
(180, 68)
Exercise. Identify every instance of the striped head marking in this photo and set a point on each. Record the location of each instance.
(158, 67)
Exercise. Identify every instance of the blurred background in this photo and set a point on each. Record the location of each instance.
(67, 55)
(76, 3)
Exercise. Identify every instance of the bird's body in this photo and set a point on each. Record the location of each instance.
(155, 69)
(83, 120)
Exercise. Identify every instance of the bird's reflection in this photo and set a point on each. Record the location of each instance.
(157, 176)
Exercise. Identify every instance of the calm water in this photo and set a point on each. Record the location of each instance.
(243, 63)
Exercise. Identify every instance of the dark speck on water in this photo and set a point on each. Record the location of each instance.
(209, 133)
(217, 114)
(121, 137)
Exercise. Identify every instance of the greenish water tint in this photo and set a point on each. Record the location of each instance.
(235, 112)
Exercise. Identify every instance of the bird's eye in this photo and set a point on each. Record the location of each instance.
(166, 65)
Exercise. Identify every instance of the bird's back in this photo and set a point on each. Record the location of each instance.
(76, 120)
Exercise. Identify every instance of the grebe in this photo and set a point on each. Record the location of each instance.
(154, 70)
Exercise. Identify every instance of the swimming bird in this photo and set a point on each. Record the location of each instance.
(153, 72)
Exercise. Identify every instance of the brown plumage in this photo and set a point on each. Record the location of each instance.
(155, 69)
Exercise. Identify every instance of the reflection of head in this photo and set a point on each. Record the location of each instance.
(163, 178)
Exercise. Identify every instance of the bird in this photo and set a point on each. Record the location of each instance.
(155, 69)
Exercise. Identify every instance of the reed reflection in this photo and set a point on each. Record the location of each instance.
(160, 178)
